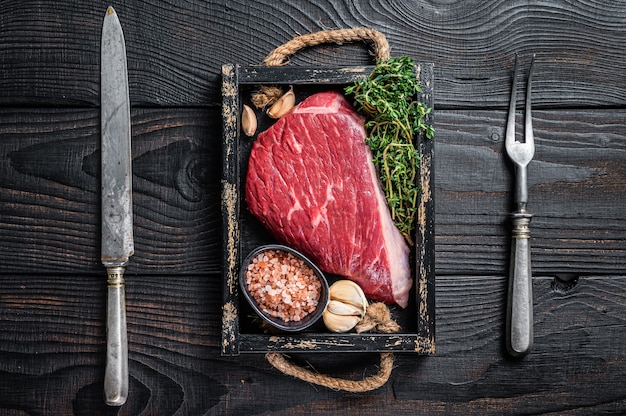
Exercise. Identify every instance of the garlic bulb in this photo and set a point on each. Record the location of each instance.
(346, 306)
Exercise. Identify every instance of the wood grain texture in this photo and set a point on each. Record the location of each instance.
(576, 190)
(52, 286)
(50, 213)
(52, 340)
(52, 176)
(175, 51)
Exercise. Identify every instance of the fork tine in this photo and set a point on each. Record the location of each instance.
(528, 125)
(510, 125)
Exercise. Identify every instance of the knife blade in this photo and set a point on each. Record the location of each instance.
(117, 217)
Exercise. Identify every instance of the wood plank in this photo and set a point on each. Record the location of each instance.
(577, 186)
(52, 331)
(175, 51)
(49, 191)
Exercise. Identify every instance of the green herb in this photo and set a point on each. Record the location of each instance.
(387, 98)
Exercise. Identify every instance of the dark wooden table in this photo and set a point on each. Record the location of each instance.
(52, 285)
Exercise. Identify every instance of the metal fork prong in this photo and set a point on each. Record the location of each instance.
(528, 125)
(528, 118)
(510, 125)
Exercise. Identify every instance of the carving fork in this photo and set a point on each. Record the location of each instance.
(519, 320)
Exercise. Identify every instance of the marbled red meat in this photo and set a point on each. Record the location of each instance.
(311, 181)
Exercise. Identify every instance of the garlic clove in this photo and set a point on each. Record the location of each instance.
(248, 121)
(345, 309)
(283, 105)
(340, 323)
(349, 292)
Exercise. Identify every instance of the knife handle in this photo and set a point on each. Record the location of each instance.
(116, 371)
(519, 331)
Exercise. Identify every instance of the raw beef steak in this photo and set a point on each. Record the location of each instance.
(311, 181)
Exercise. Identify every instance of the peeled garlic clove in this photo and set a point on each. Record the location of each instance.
(283, 105)
(248, 121)
(340, 323)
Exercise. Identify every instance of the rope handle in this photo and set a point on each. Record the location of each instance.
(267, 94)
(280, 362)
(377, 319)
(339, 36)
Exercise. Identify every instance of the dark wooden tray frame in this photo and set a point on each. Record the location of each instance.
(236, 339)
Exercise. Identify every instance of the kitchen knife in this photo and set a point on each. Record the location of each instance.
(117, 216)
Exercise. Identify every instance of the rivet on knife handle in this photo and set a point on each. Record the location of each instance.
(116, 372)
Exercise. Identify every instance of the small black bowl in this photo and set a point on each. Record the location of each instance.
(291, 326)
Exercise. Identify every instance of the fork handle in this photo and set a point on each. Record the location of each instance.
(519, 333)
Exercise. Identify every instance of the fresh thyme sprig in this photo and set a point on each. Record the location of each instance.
(387, 98)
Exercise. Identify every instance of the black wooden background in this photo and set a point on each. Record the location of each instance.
(52, 285)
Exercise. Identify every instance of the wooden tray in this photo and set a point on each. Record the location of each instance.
(242, 232)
